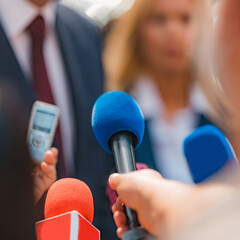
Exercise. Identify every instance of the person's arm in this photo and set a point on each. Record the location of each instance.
(163, 206)
(45, 174)
(227, 58)
(227, 45)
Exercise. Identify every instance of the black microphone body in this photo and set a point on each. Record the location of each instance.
(138, 234)
(122, 148)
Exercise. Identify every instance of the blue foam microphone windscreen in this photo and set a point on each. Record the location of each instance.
(116, 112)
(207, 150)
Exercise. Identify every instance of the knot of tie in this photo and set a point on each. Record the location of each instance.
(37, 29)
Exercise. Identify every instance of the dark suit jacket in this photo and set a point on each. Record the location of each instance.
(81, 51)
(144, 154)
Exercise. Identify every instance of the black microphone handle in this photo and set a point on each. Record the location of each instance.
(122, 147)
(138, 233)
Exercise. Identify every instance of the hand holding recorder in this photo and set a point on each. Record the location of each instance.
(41, 132)
(45, 173)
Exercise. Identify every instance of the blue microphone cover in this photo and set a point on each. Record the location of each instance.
(115, 112)
(207, 150)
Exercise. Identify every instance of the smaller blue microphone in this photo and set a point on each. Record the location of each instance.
(207, 150)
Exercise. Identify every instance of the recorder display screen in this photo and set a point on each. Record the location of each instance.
(43, 121)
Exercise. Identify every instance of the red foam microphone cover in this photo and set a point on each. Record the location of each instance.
(67, 195)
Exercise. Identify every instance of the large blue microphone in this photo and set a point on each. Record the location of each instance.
(115, 112)
(118, 125)
(207, 151)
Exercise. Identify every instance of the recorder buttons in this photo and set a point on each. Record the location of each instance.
(38, 141)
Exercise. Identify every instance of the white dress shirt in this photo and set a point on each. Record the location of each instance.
(167, 137)
(15, 17)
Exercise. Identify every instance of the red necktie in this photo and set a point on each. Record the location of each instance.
(40, 76)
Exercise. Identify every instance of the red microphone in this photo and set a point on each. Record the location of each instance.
(69, 212)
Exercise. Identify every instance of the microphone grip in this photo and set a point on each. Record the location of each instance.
(132, 218)
(138, 234)
(122, 147)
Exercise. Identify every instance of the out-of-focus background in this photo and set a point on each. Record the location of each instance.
(101, 11)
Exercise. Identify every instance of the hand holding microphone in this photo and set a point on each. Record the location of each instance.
(164, 207)
(158, 202)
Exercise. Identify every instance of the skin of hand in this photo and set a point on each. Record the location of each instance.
(45, 174)
(164, 207)
(226, 60)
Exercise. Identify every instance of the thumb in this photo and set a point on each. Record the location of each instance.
(114, 180)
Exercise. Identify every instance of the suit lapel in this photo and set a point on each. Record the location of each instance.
(73, 72)
(11, 72)
(145, 152)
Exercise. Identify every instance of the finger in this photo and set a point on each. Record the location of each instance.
(54, 151)
(121, 231)
(120, 201)
(117, 207)
(148, 173)
(120, 219)
(114, 180)
(50, 158)
(48, 169)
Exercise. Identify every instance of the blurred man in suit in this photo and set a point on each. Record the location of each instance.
(50, 53)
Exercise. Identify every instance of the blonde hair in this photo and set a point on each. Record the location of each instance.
(121, 55)
(123, 66)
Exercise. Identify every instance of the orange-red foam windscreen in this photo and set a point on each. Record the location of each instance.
(69, 194)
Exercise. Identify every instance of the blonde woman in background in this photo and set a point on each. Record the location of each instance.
(158, 52)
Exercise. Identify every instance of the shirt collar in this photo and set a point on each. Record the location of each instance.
(148, 98)
(16, 15)
(150, 101)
